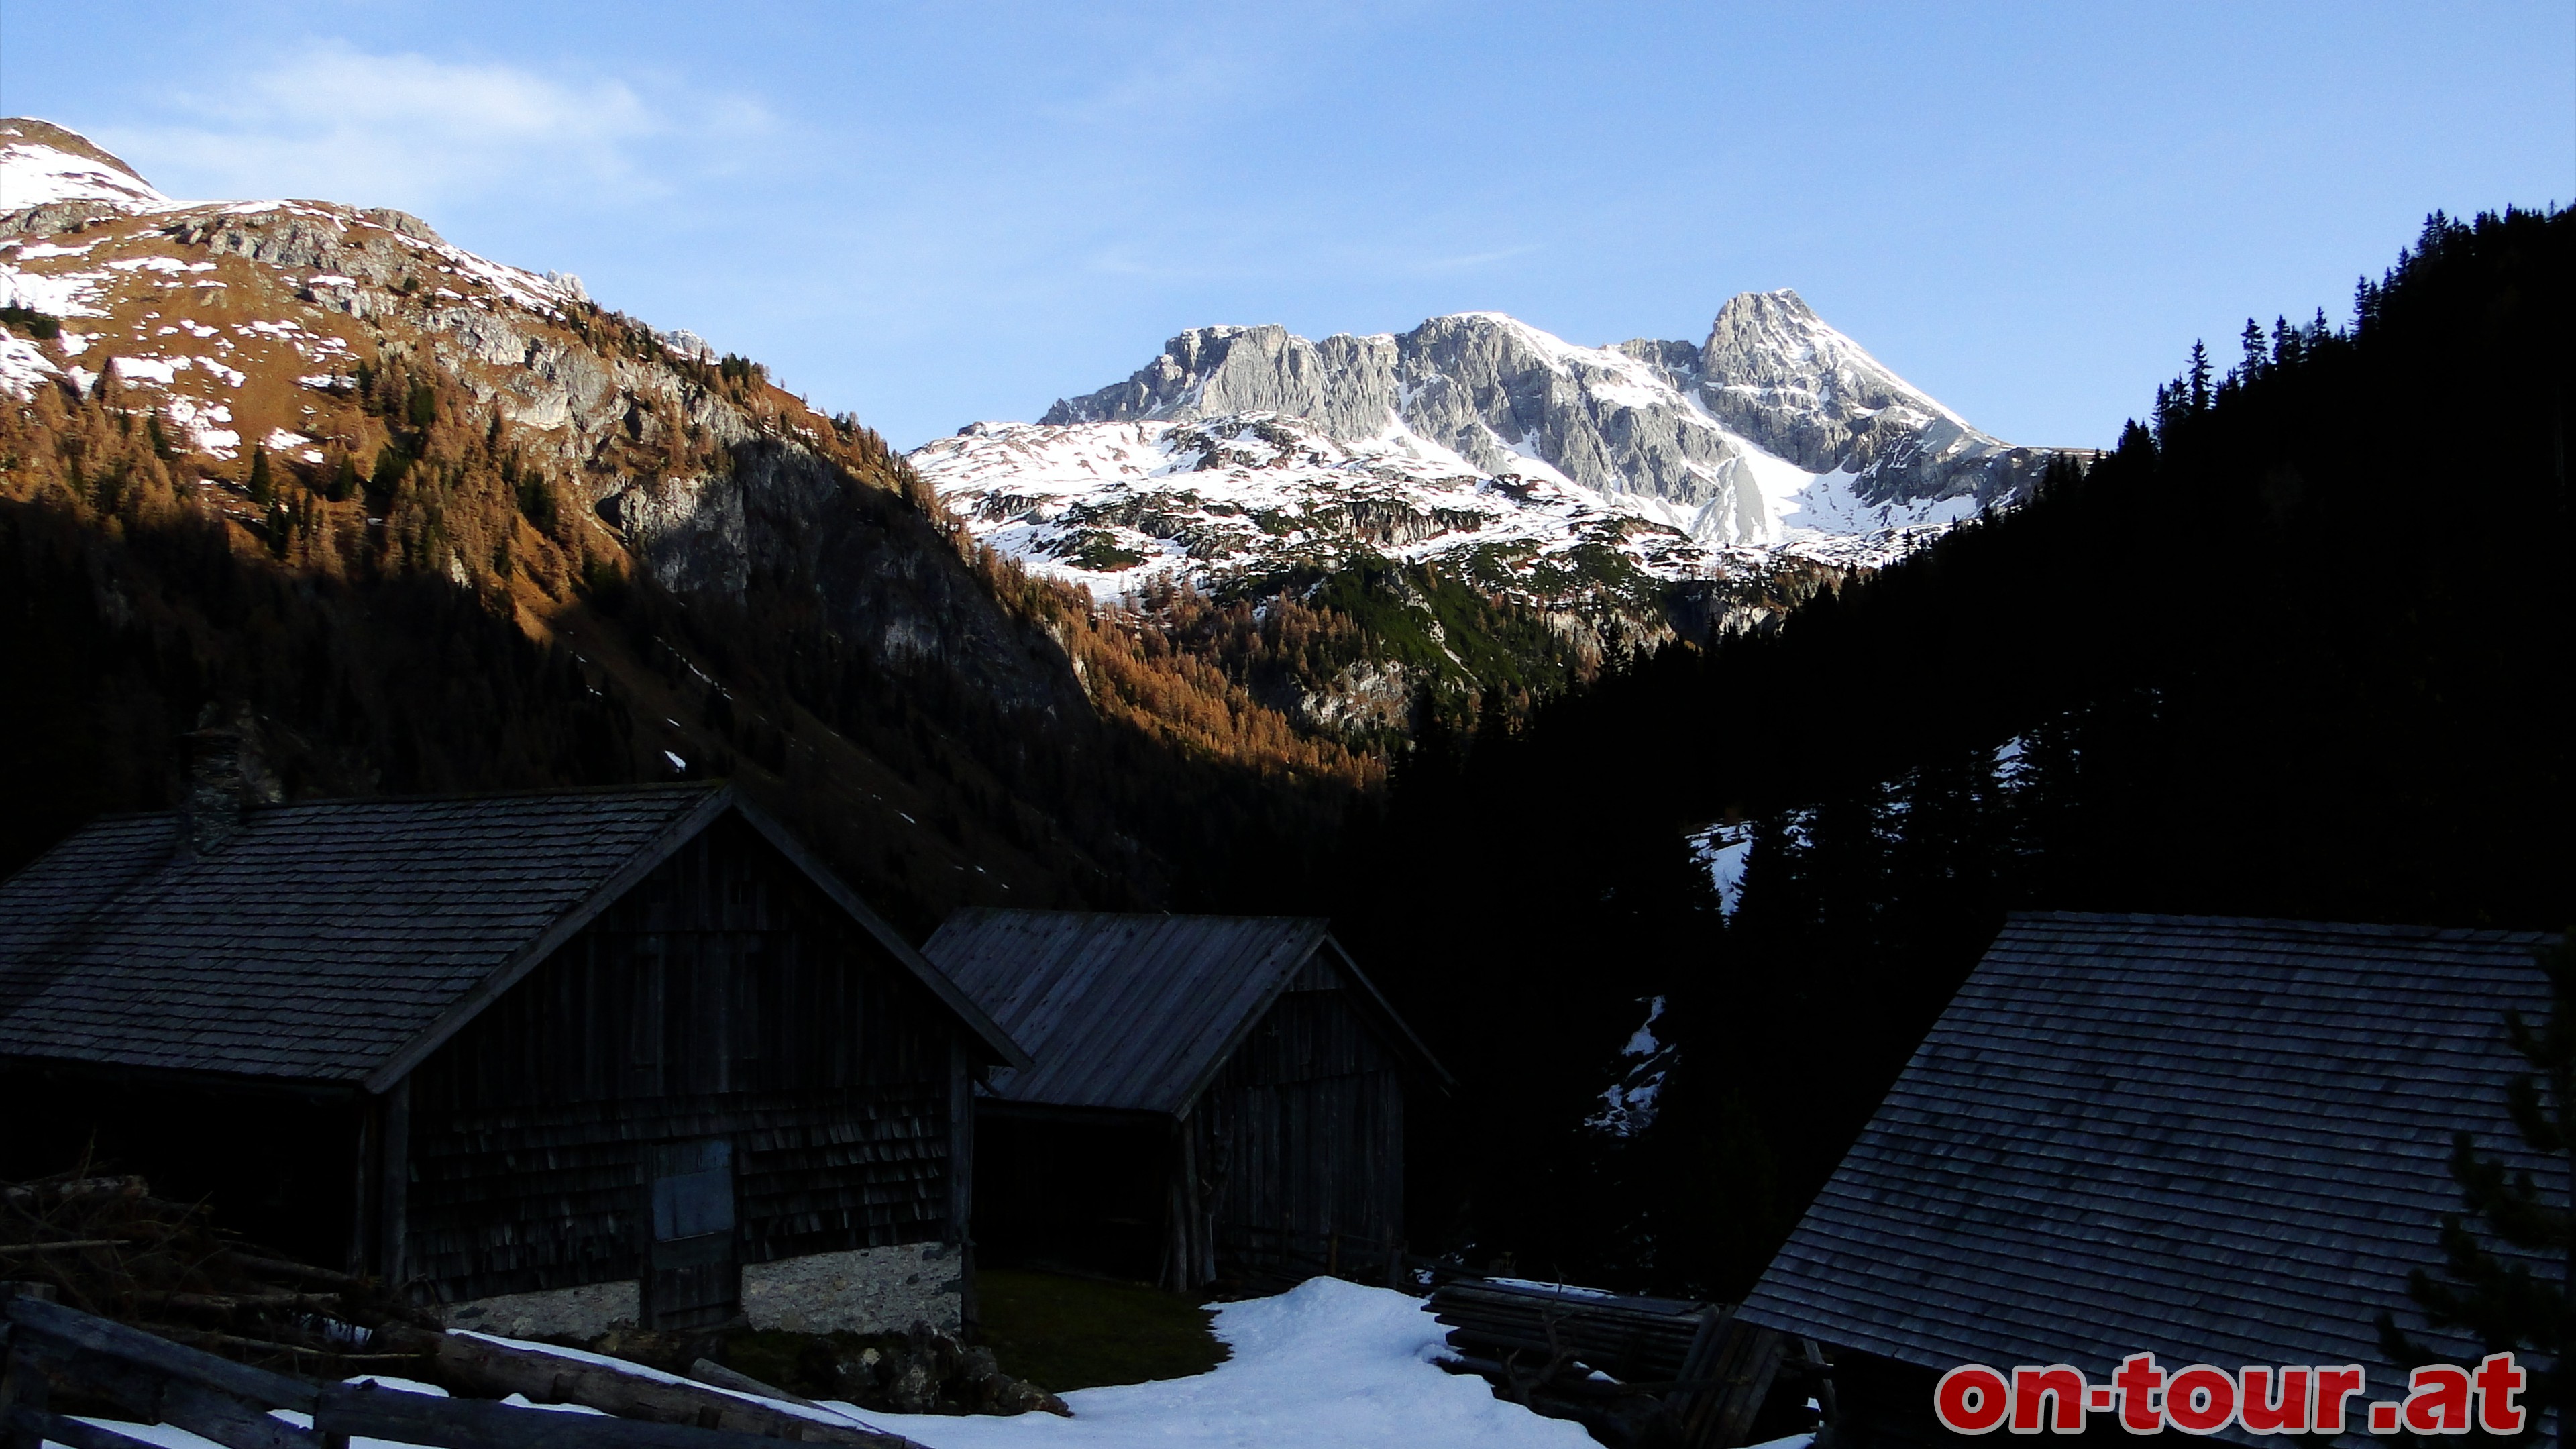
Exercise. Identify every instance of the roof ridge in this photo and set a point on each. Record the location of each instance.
(2282, 926)
(545, 792)
(1139, 915)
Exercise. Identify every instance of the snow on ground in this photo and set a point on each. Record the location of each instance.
(1327, 1365)
(1722, 850)
(23, 365)
(1628, 1105)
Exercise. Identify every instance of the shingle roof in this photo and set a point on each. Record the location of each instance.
(329, 940)
(1128, 1012)
(2224, 1141)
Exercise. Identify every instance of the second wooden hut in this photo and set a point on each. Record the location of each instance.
(1214, 1096)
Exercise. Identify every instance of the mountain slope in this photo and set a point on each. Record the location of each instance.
(346, 399)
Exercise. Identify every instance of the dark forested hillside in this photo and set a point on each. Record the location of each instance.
(443, 619)
(2301, 648)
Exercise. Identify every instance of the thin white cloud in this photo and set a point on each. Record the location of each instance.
(413, 131)
(1473, 260)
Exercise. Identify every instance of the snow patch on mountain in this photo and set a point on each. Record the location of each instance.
(43, 164)
(147, 278)
(1552, 468)
(1119, 506)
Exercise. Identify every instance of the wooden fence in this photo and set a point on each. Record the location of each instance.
(1671, 1372)
(154, 1381)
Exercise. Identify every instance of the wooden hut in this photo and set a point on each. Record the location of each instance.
(2219, 1141)
(553, 1059)
(1214, 1096)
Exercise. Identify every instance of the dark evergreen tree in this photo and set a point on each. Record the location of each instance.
(2517, 1300)
(263, 487)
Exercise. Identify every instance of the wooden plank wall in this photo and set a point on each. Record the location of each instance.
(1303, 1129)
(724, 996)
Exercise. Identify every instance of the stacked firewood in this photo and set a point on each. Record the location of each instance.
(106, 1245)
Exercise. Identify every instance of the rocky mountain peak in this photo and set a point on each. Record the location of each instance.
(42, 164)
(1721, 439)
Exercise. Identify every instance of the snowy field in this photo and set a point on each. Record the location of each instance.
(1325, 1364)
(1328, 1365)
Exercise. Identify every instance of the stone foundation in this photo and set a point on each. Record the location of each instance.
(872, 1290)
(584, 1312)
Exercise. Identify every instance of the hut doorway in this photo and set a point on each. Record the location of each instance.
(693, 1276)
(1085, 1196)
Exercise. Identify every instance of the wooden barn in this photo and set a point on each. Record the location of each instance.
(2220, 1141)
(1214, 1096)
(554, 1059)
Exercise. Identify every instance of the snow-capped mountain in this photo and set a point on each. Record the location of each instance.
(245, 324)
(231, 326)
(223, 315)
(1247, 450)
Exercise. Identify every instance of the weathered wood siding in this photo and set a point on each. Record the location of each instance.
(1303, 1129)
(722, 997)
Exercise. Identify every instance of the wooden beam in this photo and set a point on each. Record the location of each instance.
(364, 1409)
(74, 1329)
(35, 1426)
(478, 1365)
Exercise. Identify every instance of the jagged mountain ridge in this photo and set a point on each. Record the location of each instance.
(1529, 460)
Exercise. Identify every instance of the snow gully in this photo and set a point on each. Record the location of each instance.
(2202, 1399)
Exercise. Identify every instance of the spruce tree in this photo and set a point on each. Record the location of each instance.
(263, 488)
(2521, 1305)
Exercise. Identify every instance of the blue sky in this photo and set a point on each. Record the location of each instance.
(931, 214)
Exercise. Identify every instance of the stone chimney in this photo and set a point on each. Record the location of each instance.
(225, 775)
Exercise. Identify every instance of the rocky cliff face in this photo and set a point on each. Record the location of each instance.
(1690, 431)
(243, 324)
(1773, 371)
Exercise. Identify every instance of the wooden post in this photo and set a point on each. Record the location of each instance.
(366, 1217)
(1174, 1272)
(1810, 1352)
(961, 1182)
(393, 1188)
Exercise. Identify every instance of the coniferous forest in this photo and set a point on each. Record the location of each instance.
(2299, 647)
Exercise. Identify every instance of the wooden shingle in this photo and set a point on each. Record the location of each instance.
(337, 940)
(2223, 1141)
